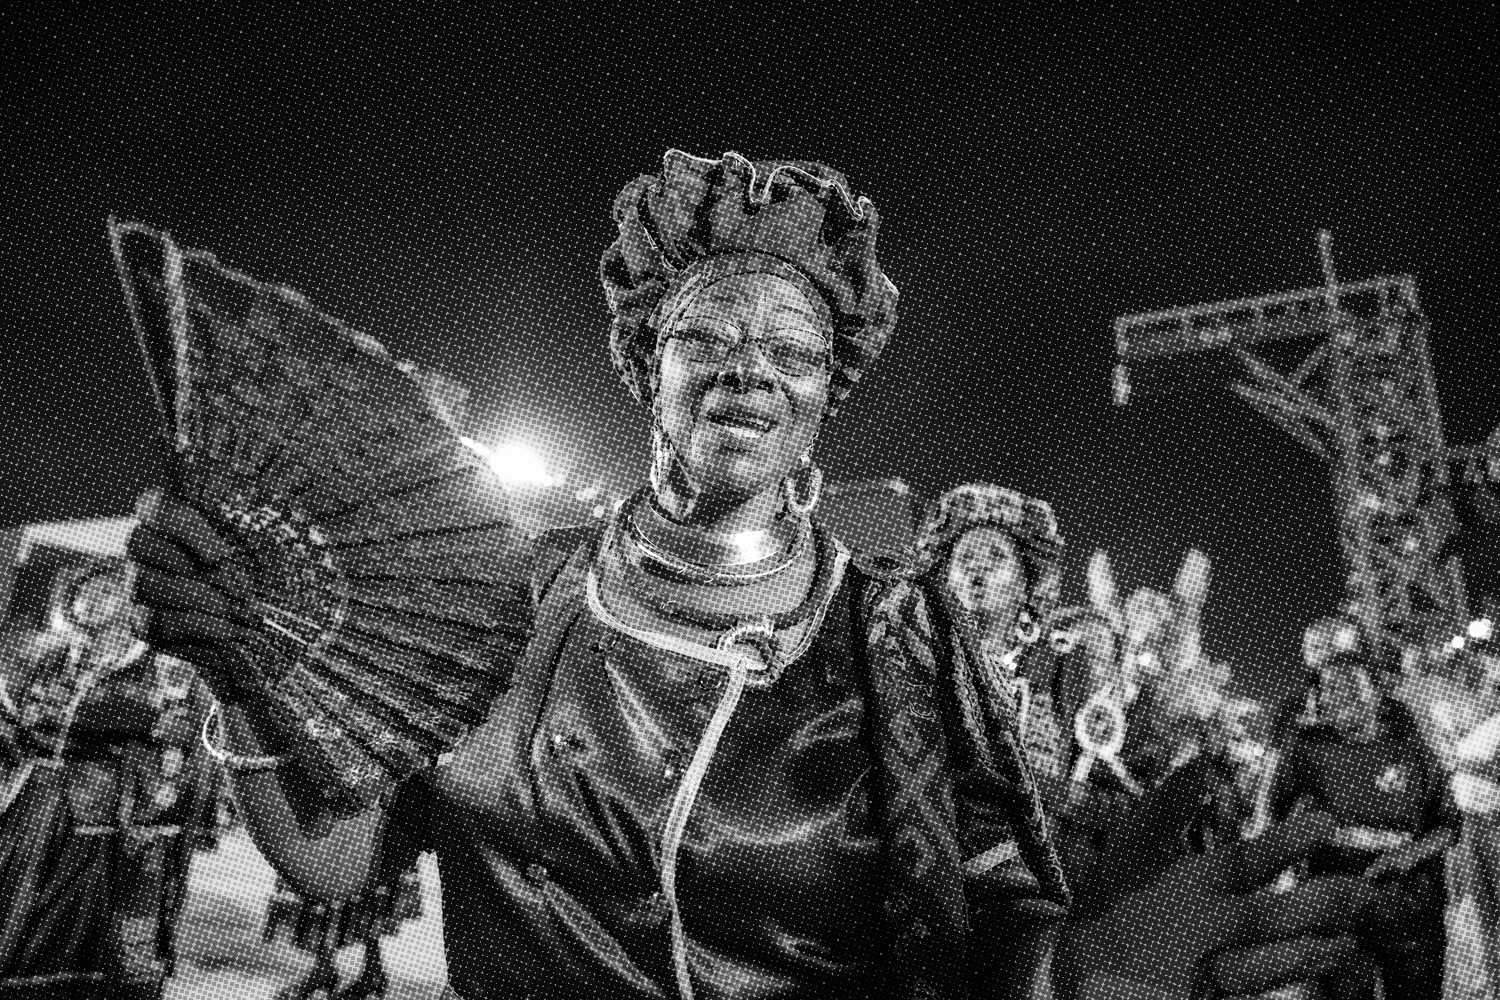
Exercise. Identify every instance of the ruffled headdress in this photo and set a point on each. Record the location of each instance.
(1029, 521)
(702, 220)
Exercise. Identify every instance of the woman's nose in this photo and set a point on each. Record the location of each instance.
(749, 368)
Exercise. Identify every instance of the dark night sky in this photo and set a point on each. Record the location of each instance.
(445, 186)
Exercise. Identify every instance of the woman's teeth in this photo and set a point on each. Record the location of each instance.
(742, 426)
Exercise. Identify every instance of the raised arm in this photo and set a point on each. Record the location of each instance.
(197, 613)
(330, 861)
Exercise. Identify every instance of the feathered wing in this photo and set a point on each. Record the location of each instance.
(382, 555)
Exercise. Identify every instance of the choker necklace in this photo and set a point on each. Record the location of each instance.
(711, 557)
(824, 579)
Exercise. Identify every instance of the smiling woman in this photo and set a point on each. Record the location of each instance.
(743, 385)
(730, 758)
(718, 701)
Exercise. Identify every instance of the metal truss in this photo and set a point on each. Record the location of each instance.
(1364, 401)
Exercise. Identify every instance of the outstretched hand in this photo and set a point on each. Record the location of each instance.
(197, 597)
(1204, 925)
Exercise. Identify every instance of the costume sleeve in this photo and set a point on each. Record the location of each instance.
(1011, 931)
(1286, 786)
(999, 802)
(405, 831)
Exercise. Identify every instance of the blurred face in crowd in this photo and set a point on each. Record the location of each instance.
(1350, 700)
(744, 381)
(98, 601)
(987, 576)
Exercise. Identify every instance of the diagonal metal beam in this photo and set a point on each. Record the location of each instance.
(1309, 364)
(1274, 408)
(1289, 394)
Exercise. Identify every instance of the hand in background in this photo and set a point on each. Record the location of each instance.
(1161, 924)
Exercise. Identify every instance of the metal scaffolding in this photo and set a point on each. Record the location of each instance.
(1364, 401)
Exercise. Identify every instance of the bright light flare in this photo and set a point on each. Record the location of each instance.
(1483, 629)
(514, 463)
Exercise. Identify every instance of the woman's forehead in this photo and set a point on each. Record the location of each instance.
(750, 296)
(984, 537)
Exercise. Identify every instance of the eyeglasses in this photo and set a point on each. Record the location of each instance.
(795, 356)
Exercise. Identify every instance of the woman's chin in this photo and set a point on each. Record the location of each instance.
(735, 476)
(733, 489)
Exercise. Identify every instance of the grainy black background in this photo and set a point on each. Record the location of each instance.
(444, 184)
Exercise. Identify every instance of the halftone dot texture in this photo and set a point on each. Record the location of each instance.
(446, 186)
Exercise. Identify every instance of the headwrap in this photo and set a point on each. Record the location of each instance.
(703, 220)
(1029, 521)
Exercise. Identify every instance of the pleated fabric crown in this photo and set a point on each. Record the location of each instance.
(797, 219)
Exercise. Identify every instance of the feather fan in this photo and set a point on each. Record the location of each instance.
(379, 547)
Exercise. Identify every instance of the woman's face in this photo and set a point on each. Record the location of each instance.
(986, 574)
(738, 423)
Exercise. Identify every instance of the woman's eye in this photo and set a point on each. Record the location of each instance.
(793, 356)
(706, 343)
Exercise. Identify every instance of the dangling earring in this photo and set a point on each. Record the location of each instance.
(661, 458)
(665, 468)
(1028, 628)
(789, 486)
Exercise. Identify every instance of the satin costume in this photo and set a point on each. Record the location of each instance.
(849, 839)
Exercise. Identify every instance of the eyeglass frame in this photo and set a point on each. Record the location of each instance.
(688, 332)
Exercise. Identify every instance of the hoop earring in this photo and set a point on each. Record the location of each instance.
(789, 486)
(1028, 629)
(665, 467)
(661, 459)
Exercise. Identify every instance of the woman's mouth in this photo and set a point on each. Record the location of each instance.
(744, 426)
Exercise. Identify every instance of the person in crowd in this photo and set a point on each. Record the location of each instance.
(1454, 695)
(105, 797)
(733, 760)
(996, 554)
(1366, 764)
